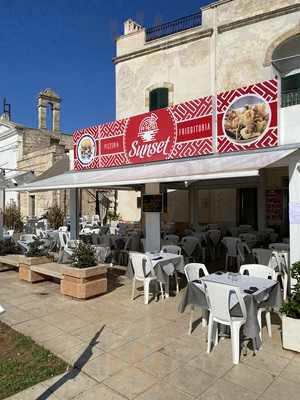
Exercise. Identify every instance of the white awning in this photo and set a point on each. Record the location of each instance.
(205, 168)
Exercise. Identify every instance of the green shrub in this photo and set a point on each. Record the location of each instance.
(55, 216)
(292, 307)
(8, 246)
(83, 256)
(36, 249)
(13, 217)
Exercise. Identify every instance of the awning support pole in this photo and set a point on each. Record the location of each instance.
(152, 222)
(261, 202)
(294, 209)
(74, 213)
(2, 207)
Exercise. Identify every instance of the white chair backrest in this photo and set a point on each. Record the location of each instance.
(63, 239)
(259, 271)
(172, 238)
(279, 246)
(214, 235)
(192, 271)
(249, 238)
(219, 297)
(231, 245)
(1, 309)
(171, 248)
(63, 229)
(243, 250)
(10, 232)
(137, 261)
(262, 256)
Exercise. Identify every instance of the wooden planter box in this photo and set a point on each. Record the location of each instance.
(25, 273)
(83, 283)
(290, 333)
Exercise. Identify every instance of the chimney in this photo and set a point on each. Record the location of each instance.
(131, 26)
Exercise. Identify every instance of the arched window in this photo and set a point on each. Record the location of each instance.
(158, 98)
(286, 60)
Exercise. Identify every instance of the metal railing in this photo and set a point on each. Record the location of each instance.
(290, 98)
(178, 25)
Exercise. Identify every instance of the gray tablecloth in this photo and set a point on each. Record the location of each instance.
(271, 297)
(162, 268)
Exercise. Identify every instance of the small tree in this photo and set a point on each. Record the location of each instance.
(13, 217)
(55, 216)
(292, 307)
(83, 256)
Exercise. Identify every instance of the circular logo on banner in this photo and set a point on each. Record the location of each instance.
(150, 137)
(86, 149)
(246, 119)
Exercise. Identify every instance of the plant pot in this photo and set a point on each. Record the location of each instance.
(83, 283)
(25, 273)
(290, 333)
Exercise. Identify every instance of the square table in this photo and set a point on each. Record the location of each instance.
(268, 295)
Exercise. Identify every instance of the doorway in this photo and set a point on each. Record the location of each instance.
(247, 207)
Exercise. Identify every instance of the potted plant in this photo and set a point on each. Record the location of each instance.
(35, 255)
(55, 217)
(84, 278)
(291, 314)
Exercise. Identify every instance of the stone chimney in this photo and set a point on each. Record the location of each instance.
(48, 96)
(131, 26)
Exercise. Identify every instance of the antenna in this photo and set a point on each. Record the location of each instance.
(7, 109)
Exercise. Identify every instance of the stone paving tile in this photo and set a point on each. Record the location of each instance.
(158, 364)
(292, 371)
(267, 362)
(104, 366)
(250, 378)
(282, 389)
(99, 392)
(225, 390)
(68, 385)
(163, 392)
(215, 364)
(190, 380)
(132, 352)
(130, 382)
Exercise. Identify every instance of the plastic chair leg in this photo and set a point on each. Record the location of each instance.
(204, 318)
(133, 289)
(209, 333)
(226, 262)
(268, 322)
(161, 290)
(235, 343)
(259, 322)
(146, 291)
(177, 283)
(191, 320)
(285, 286)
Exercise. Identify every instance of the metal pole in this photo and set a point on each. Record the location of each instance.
(2, 206)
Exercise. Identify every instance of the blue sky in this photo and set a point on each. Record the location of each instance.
(68, 45)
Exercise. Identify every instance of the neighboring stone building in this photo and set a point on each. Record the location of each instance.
(226, 45)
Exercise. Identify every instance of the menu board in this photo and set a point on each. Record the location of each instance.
(152, 203)
(274, 207)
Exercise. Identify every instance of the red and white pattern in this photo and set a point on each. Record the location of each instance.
(115, 128)
(113, 160)
(192, 109)
(267, 90)
(192, 149)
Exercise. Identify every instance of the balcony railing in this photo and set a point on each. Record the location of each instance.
(178, 25)
(290, 98)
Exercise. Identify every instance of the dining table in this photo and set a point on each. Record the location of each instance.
(161, 265)
(257, 292)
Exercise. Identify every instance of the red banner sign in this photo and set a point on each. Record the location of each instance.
(247, 117)
(184, 130)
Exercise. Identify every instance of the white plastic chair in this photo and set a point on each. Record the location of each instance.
(192, 273)
(189, 244)
(173, 239)
(265, 272)
(219, 296)
(138, 262)
(171, 248)
(262, 256)
(64, 240)
(214, 236)
(63, 229)
(2, 310)
(231, 244)
(249, 238)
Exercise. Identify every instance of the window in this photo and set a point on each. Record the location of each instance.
(32, 206)
(159, 98)
(290, 90)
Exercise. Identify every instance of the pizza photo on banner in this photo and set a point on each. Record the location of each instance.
(180, 131)
(247, 117)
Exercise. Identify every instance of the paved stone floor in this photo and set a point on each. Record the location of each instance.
(123, 349)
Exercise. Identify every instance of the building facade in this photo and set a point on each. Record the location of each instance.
(226, 45)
